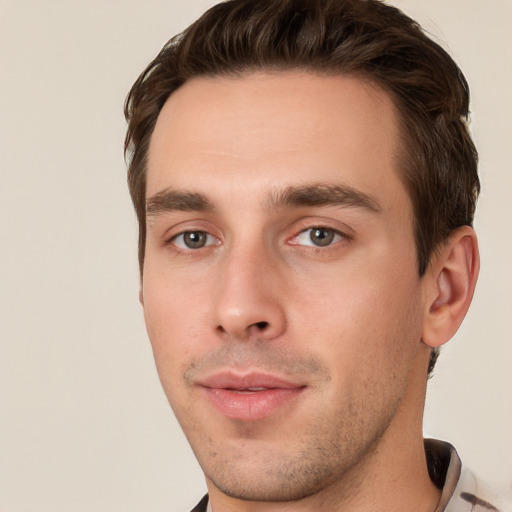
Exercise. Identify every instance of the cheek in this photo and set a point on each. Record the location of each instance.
(361, 320)
(174, 322)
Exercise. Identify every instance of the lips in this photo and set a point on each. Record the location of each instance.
(249, 397)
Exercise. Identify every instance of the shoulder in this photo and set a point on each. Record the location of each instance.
(461, 490)
(475, 495)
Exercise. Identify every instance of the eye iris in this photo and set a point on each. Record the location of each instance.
(321, 236)
(194, 239)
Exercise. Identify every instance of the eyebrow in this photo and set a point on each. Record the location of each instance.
(170, 200)
(321, 194)
(317, 194)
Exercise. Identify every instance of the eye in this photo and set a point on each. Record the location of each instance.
(193, 240)
(318, 237)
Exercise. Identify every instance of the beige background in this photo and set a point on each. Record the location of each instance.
(84, 425)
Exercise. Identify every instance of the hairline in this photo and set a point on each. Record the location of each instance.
(405, 145)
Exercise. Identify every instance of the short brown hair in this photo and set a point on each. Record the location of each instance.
(365, 38)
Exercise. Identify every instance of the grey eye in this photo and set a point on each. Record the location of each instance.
(193, 240)
(318, 237)
(321, 236)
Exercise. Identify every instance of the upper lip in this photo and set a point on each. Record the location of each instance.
(233, 380)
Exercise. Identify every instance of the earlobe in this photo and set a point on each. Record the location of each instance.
(452, 277)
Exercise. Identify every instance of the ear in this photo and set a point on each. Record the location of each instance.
(450, 283)
(141, 296)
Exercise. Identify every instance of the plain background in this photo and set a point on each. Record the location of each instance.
(84, 425)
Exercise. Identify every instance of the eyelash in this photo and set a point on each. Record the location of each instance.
(336, 237)
(190, 232)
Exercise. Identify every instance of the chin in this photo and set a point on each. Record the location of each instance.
(284, 489)
(275, 477)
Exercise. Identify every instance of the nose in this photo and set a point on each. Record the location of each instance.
(249, 300)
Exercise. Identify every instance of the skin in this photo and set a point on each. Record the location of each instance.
(350, 322)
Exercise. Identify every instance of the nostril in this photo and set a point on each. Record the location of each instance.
(261, 325)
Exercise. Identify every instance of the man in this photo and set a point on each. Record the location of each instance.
(305, 185)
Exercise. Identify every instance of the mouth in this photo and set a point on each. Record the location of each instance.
(247, 391)
(249, 397)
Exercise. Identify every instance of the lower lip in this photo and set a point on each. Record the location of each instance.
(251, 406)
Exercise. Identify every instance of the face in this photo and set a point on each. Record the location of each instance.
(280, 284)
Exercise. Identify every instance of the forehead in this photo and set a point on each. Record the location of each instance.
(286, 128)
